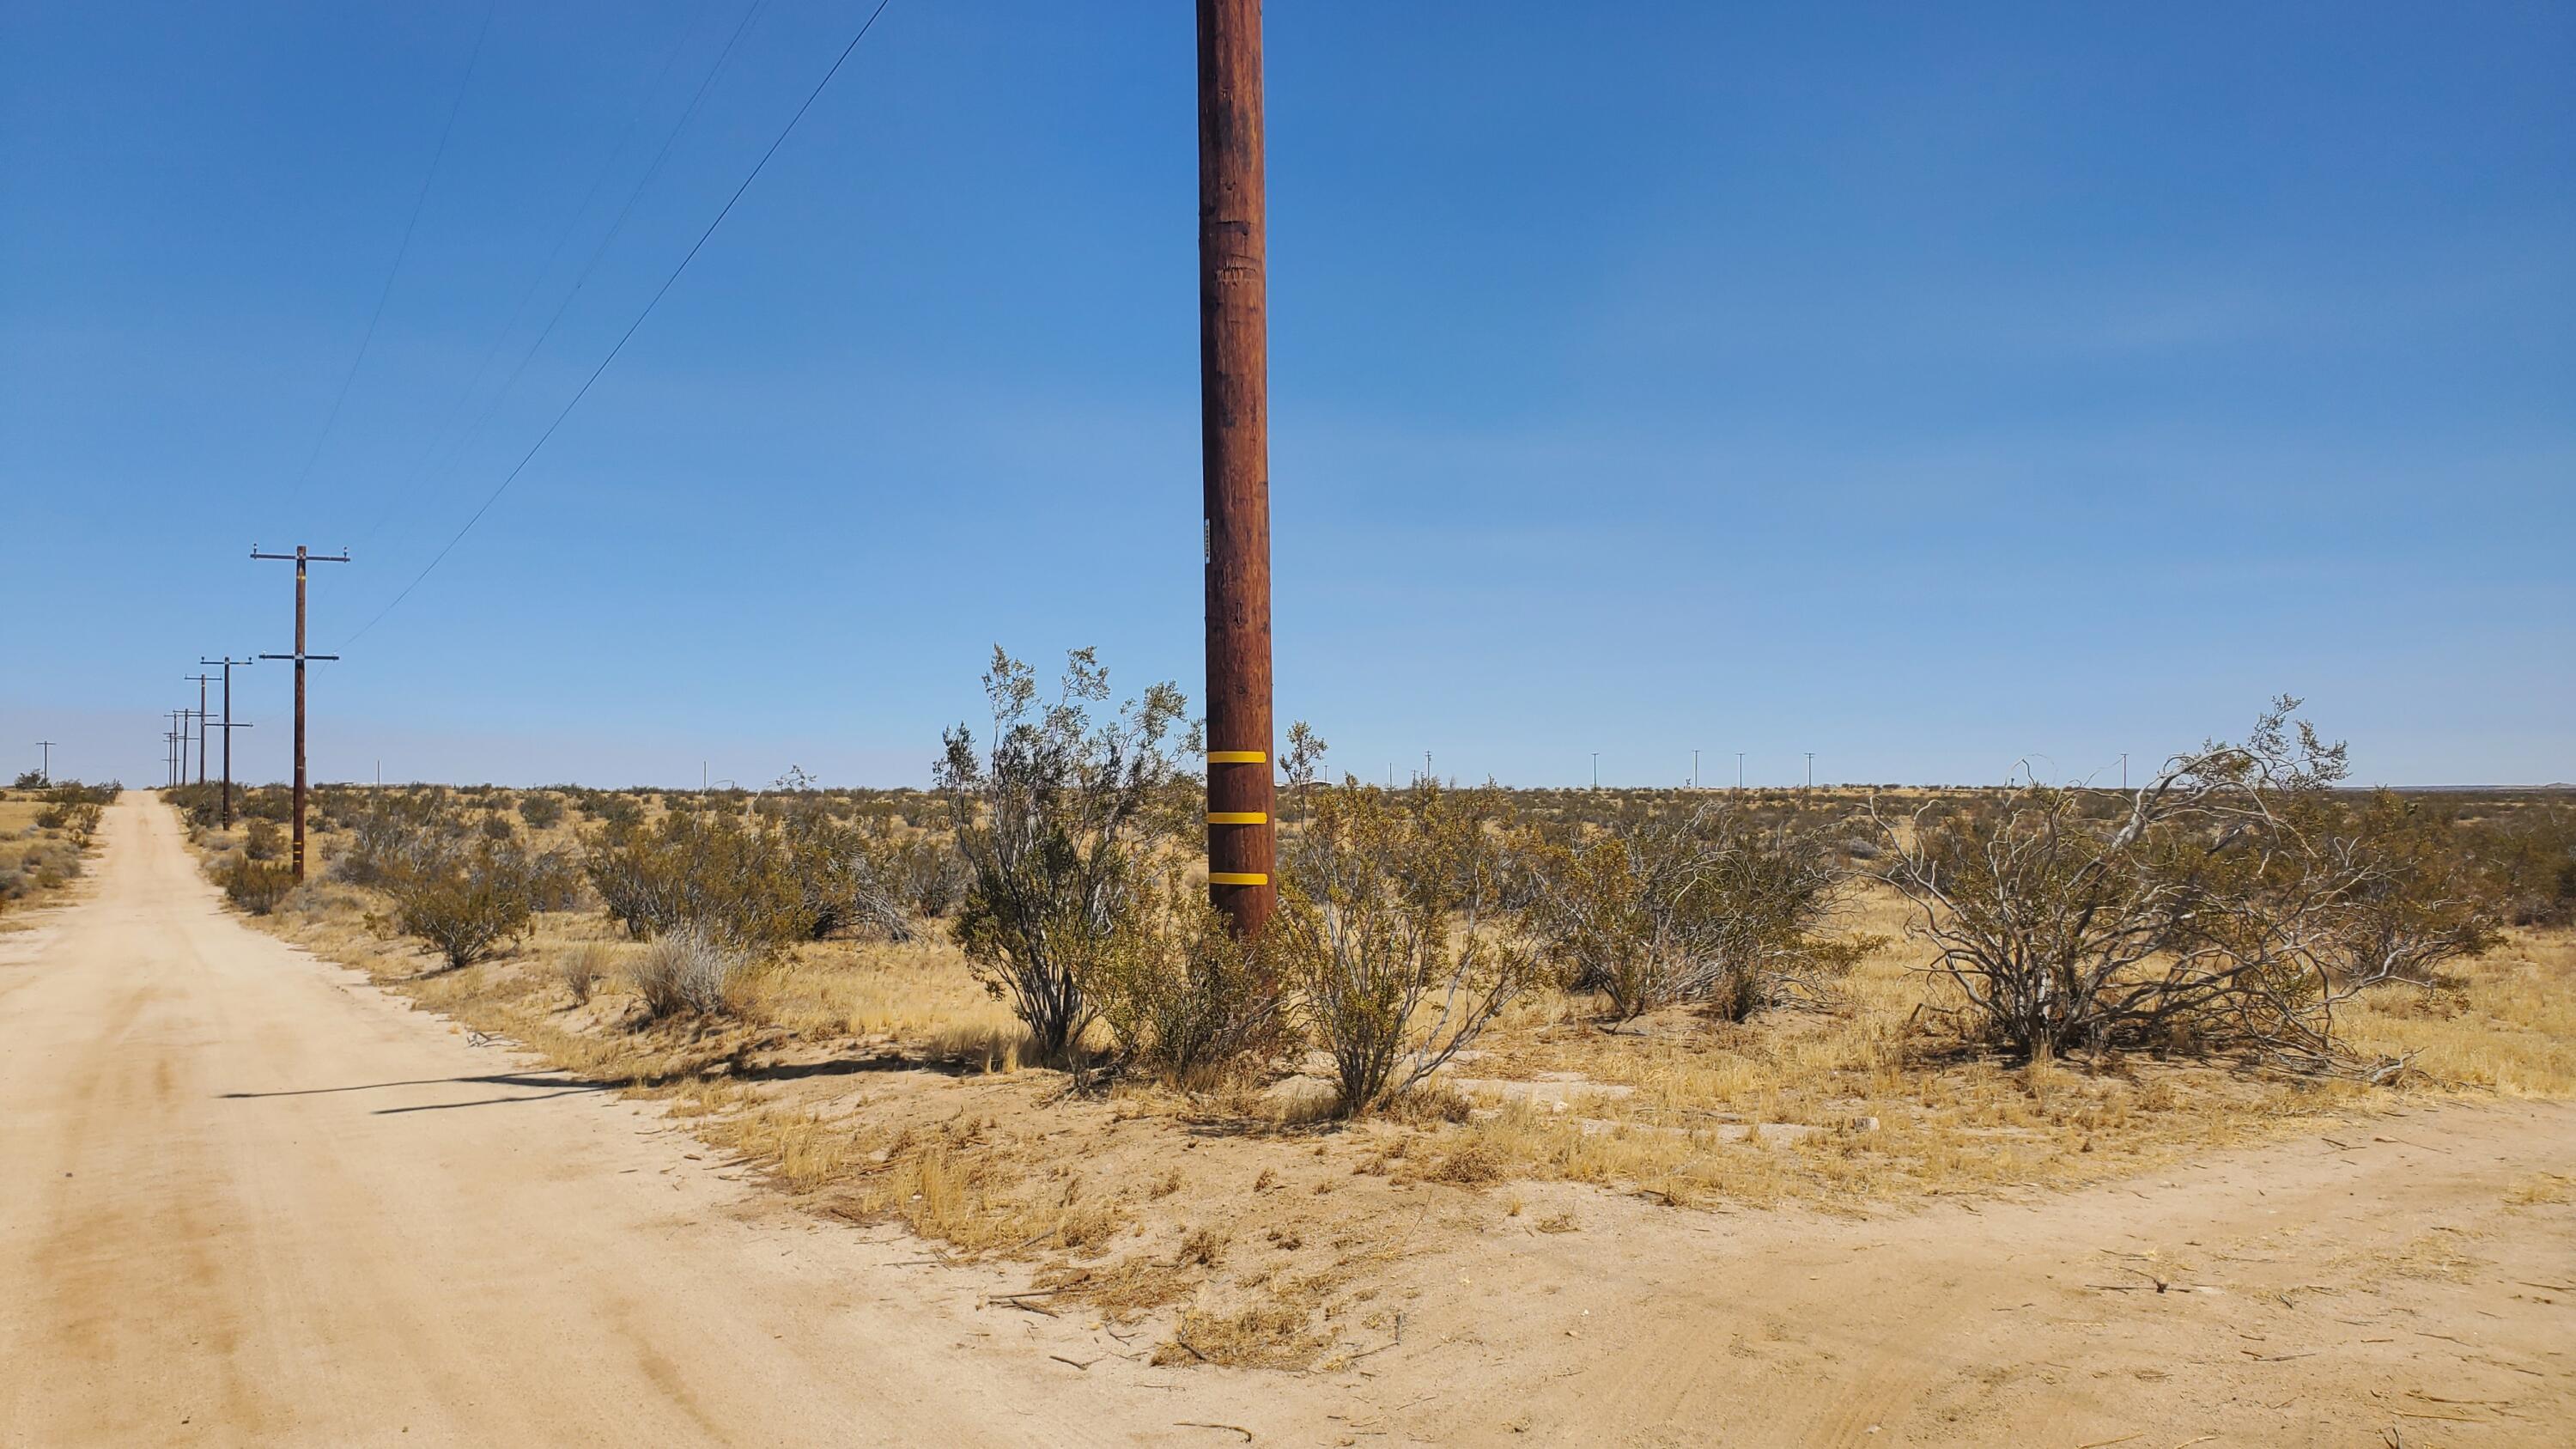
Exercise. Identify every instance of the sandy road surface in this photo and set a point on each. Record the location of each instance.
(245, 1199)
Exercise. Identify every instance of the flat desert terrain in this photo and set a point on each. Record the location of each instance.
(253, 1199)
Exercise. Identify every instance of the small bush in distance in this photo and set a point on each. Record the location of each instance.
(1701, 905)
(257, 886)
(543, 810)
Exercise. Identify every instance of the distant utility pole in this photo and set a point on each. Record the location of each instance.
(1694, 769)
(228, 727)
(202, 681)
(1811, 769)
(1739, 772)
(45, 771)
(1234, 443)
(2124, 772)
(301, 557)
(1596, 769)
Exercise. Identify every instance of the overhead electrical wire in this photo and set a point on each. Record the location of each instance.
(473, 430)
(341, 398)
(438, 435)
(694, 248)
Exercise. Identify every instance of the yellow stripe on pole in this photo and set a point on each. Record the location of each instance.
(1237, 877)
(1237, 757)
(1236, 817)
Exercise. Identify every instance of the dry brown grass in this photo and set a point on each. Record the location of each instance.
(879, 1082)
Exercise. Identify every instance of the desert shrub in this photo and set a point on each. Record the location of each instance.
(263, 840)
(29, 780)
(1394, 928)
(543, 810)
(556, 881)
(257, 886)
(704, 866)
(1053, 823)
(2527, 863)
(688, 968)
(1702, 905)
(74, 809)
(397, 835)
(609, 808)
(930, 875)
(845, 877)
(497, 826)
(2236, 903)
(1178, 993)
(464, 903)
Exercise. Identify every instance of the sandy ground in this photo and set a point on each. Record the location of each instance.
(246, 1199)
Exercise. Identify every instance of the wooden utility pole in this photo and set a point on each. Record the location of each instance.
(228, 727)
(45, 771)
(202, 680)
(1234, 441)
(301, 557)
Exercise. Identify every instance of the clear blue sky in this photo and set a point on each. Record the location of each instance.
(1924, 386)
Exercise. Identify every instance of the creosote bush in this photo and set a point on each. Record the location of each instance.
(1700, 905)
(794, 875)
(1397, 927)
(2233, 902)
(257, 886)
(1055, 823)
(1180, 996)
(465, 902)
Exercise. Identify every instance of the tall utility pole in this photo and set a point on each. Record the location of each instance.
(301, 557)
(2124, 772)
(45, 771)
(1811, 769)
(228, 727)
(1234, 443)
(1739, 772)
(1596, 769)
(202, 681)
(1694, 769)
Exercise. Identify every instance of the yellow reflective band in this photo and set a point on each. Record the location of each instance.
(1237, 877)
(1237, 757)
(1236, 817)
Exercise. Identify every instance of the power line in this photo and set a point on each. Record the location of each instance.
(332, 419)
(394, 498)
(513, 475)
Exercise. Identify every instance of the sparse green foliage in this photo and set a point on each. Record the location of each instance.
(1178, 993)
(257, 886)
(466, 902)
(1397, 929)
(1698, 905)
(1053, 825)
(2235, 902)
(542, 809)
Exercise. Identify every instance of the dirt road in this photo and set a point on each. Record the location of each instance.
(247, 1199)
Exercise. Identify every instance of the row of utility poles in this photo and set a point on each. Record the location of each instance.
(203, 715)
